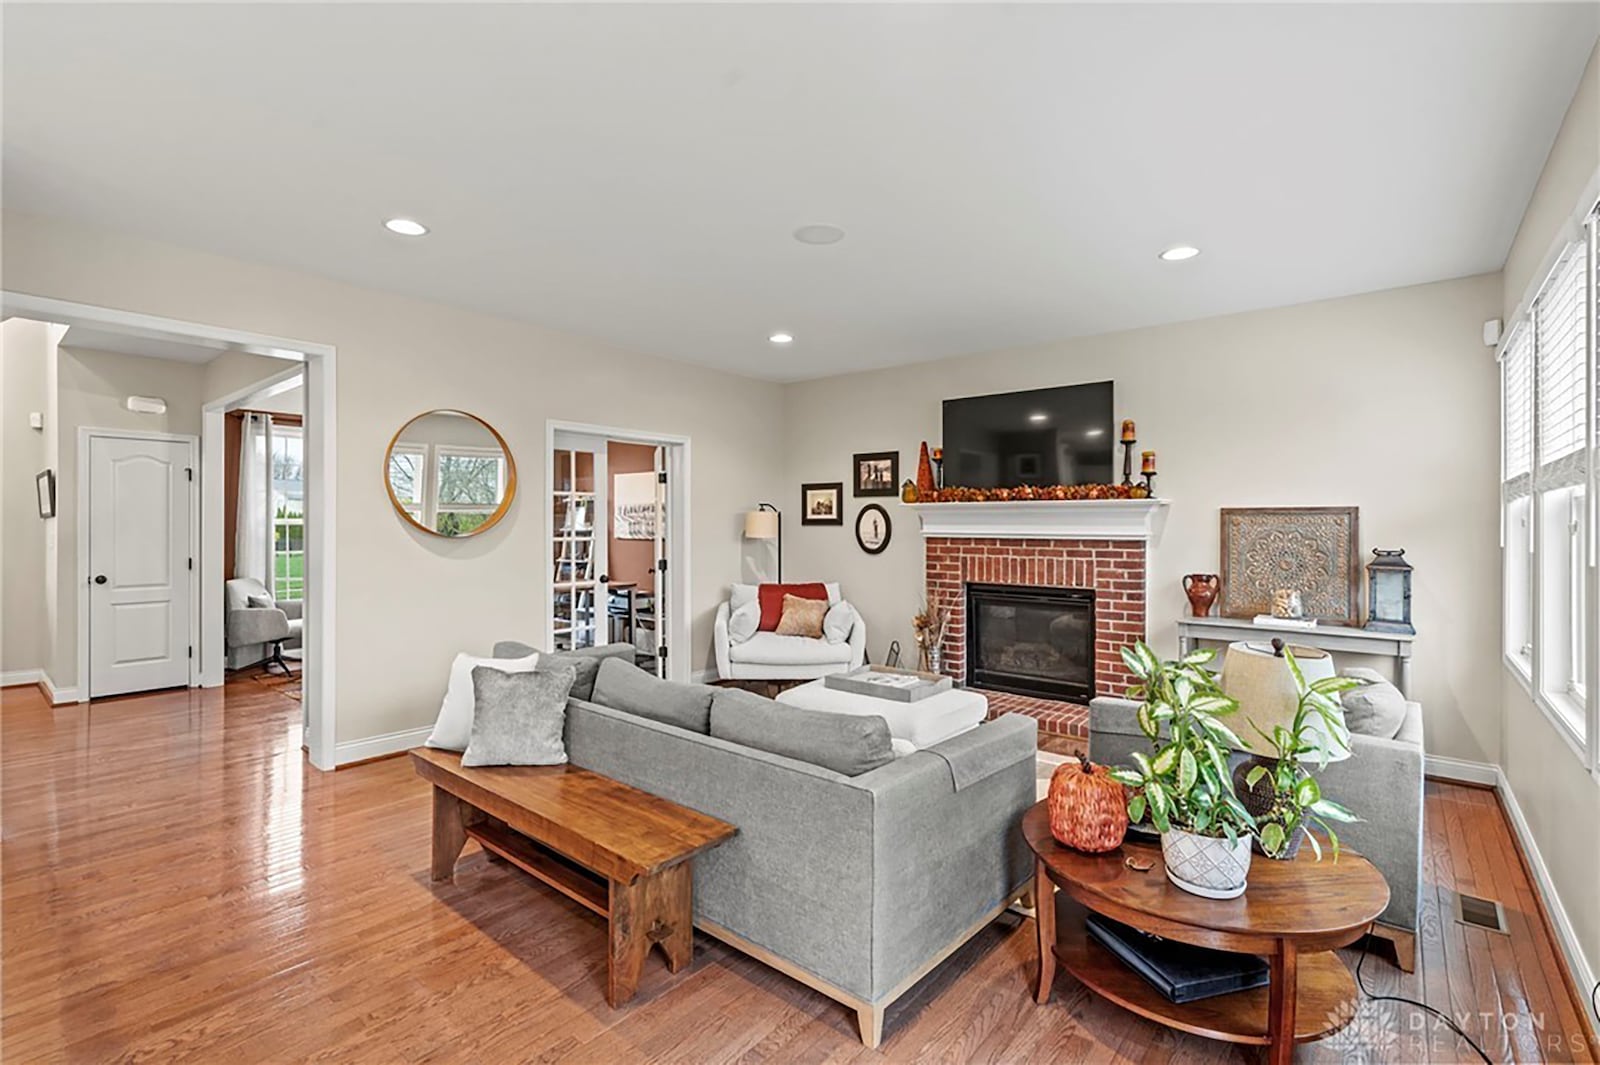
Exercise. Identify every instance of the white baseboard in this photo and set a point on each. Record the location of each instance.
(378, 746)
(1578, 966)
(1462, 771)
(17, 677)
(57, 696)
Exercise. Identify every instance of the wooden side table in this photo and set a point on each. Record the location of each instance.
(1294, 913)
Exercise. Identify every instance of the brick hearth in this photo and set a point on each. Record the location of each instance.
(1115, 569)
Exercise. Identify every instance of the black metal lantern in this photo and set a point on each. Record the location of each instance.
(1389, 592)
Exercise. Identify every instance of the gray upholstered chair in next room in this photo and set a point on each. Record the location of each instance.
(257, 626)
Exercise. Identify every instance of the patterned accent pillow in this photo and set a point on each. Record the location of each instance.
(802, 617)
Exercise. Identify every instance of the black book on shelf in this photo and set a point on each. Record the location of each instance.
(1179, 971)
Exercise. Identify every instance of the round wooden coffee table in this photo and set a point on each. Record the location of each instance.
(1294, 913)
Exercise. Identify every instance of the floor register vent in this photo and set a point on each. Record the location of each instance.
(1481, 913)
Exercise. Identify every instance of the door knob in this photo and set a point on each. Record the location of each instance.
(604, 578)
(100, 578)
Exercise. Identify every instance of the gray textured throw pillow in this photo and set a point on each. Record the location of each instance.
(624, 686)
(585, 663)
(1377, 709)
(845, 743)
(517, 718)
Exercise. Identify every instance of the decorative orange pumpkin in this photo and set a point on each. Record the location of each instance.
(1088, 809)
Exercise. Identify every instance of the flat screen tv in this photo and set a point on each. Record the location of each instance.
(1045, 436)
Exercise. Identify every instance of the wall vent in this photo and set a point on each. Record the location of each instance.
(1481, 913)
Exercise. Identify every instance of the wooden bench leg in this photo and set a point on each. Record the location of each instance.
(449, 832)
(652, 909)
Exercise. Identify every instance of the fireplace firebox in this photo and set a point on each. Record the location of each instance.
(1031, 640)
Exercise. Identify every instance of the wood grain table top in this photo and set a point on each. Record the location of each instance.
(1299, 899)
(615, 829)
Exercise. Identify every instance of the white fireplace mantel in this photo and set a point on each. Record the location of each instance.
(1078, 519)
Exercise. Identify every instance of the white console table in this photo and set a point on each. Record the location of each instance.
(1396, 645)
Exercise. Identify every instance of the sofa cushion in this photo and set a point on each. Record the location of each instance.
(802, 617)
(584, 662)
(743, 621)
(518, 718)
(1378, 709)
(624, 686)
(846, 744)
(453, 729)
(771, 597)
(770, 649)
(839, 622)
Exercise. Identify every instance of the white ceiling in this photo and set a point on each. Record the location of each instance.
(1006, 175)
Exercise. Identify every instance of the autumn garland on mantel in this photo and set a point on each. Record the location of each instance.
(1034, 493)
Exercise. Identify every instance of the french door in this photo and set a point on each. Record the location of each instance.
(580, 519)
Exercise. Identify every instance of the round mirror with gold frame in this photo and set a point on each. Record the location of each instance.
(449, 473)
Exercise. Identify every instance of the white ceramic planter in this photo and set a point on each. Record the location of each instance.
(1207, 866)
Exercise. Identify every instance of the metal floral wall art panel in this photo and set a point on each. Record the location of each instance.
(1313, 550)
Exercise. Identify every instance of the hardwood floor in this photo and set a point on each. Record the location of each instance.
(179, 886)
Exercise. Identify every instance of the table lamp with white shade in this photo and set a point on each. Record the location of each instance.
(1257, 676)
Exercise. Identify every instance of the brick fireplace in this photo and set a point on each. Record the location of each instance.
(1044, 550)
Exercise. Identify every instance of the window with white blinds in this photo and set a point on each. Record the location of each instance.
(1516, 369)
(1561, 325)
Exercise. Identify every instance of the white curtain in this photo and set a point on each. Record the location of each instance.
(253, 546)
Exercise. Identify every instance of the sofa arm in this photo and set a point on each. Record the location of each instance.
(292, 608)
(256, 624)
(945, 859)
(719, 642)
(858, 642)
(1381, 783)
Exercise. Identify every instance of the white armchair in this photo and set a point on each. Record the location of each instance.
(768, 656)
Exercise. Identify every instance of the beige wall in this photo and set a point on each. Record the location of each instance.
(1557, 796)
(27, 358)
(1382, 401)
(407, 602)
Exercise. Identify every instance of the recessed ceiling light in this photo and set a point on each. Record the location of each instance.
(1179, 253)
(819, 233)
(405, 227)
(781, 338)
(1040, 417)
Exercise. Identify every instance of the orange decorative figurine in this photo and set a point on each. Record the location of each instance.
(925, 483)
(1088, 810)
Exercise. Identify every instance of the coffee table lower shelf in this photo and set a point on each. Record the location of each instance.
(1326, 1000)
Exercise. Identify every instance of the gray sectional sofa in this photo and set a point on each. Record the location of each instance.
(854, 885)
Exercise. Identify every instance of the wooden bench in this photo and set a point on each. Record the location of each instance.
(622, 852)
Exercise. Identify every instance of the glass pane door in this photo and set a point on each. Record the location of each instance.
(577, 592)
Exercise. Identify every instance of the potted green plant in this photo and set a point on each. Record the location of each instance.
(1292, 803)
(1184, 785)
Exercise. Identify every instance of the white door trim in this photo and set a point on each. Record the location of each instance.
(321, 456)
(680, 620)
(86, 436)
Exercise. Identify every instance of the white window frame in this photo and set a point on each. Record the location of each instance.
(442, 451)
(273, 521)
(1562, 643)
(420, 503)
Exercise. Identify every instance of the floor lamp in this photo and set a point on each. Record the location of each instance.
(766, 523)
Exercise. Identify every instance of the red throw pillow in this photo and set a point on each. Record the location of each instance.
(771, 596)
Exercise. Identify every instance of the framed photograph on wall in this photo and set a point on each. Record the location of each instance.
(877, 473)
(822, 504)
(46, 483)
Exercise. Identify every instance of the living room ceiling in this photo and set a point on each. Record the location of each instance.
(1004, 175)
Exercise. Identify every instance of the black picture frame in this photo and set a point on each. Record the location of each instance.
(870, 463)
(834, 513)
(46, 485)
(888, 528)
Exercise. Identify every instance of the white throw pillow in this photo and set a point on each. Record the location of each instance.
(832, 588)
(744, 621)
(841, 618)
(453, 730)
(740, 594)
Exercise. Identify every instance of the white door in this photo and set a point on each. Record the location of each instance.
(580, 516)
(140, 495)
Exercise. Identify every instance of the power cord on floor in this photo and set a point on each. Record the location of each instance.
(1452, 1025)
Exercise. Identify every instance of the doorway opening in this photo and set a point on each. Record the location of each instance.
(199, 373)
(616, 506)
